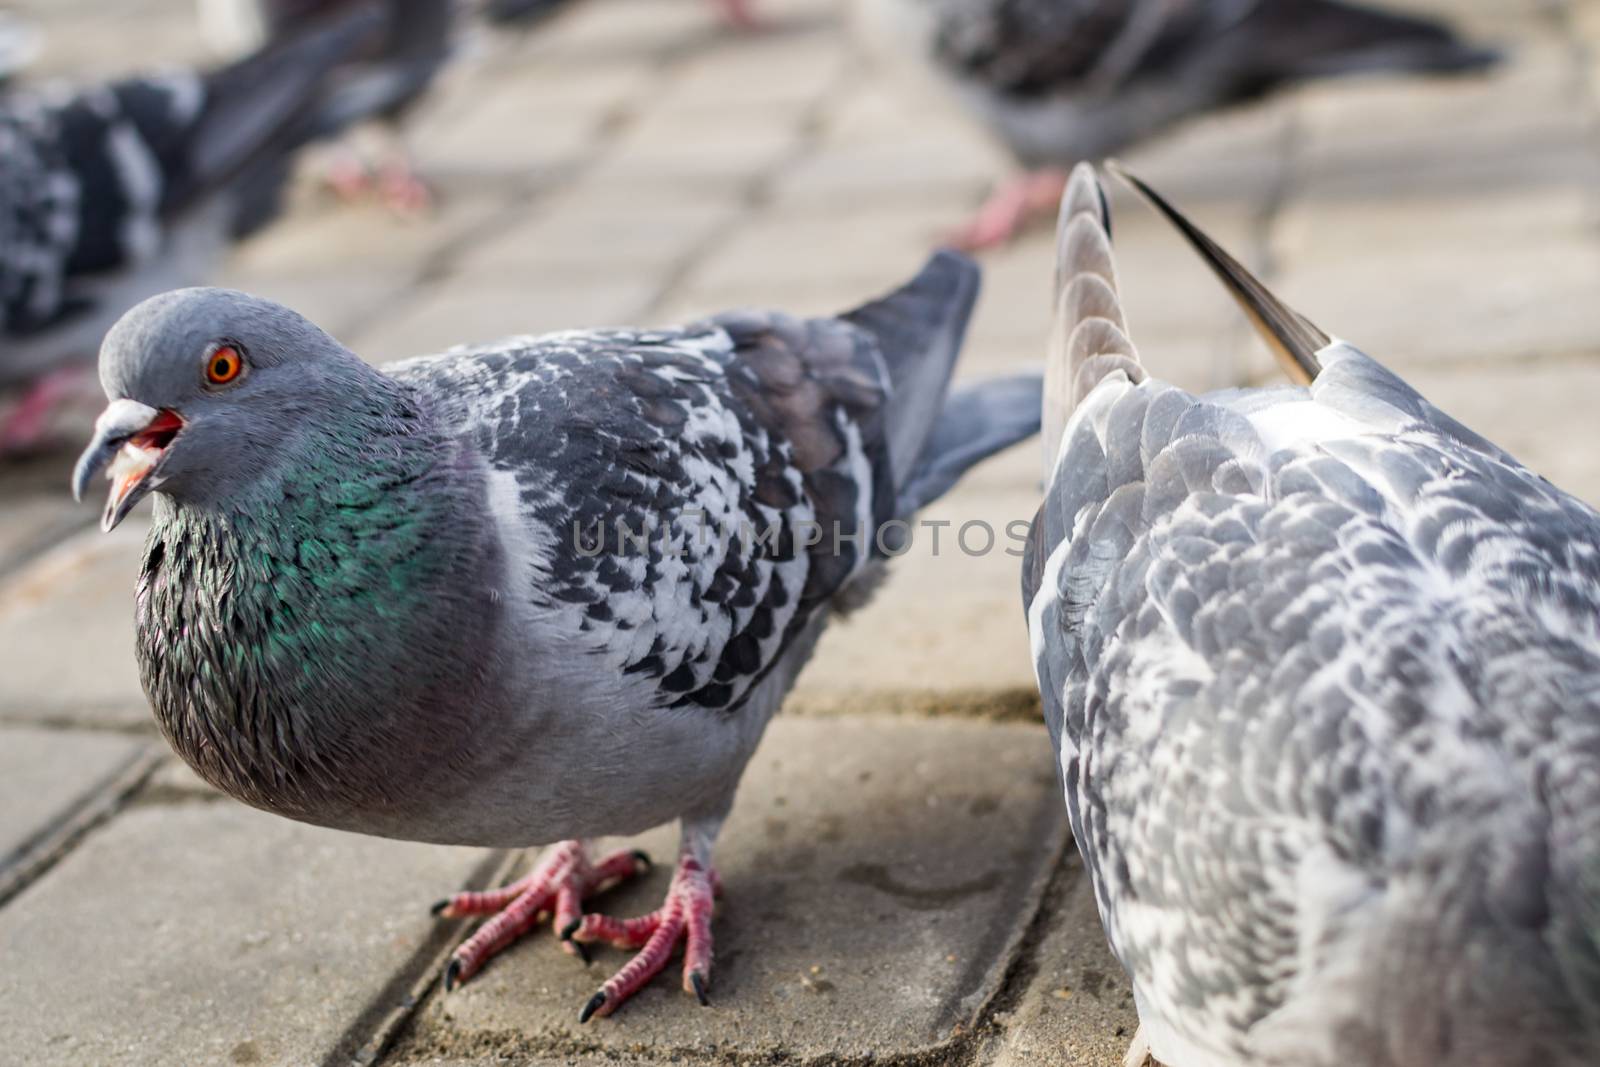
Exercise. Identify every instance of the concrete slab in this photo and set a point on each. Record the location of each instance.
(234, 937)
(66, 623)
(1077, 1007)
(53, 783)
(879, 875)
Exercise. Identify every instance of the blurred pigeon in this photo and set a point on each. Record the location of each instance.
(1062, 81)
(385, 82)
(541, 590)
(1322, 667)
(19, 44)
(115, 193)
(736, 13)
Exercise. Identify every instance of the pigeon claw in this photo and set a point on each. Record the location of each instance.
(596, 1002)
(698, 983)
(686, 917)
(556, 886)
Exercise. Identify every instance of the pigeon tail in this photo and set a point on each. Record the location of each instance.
(1321, 38)
(919, 328)
(1089, 337)
(976, 422)
(1293, 338)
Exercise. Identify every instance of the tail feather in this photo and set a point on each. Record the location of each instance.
(1318, 38)
(1089, 339)
(919, 328)
(976, 422)
(1293, 338)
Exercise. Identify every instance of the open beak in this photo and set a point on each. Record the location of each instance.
(130, 441)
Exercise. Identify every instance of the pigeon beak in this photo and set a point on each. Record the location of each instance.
(131, 439)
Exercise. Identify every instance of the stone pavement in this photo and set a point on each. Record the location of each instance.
(900, 884)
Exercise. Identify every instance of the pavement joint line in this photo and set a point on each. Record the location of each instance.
(77, 723)
(375, 1029)
(521, 201)
(53, 843)
(1063, 877)
(756, 191)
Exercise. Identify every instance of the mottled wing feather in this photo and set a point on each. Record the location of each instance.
(1253, 655)
(729, 446)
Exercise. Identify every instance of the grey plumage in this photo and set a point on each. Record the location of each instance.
(548, 588)
(1323, 671)
(111, 194)
(1060, 81)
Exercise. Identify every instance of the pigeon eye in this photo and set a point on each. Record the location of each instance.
(223, 365)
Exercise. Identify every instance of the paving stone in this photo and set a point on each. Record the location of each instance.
(1077, 1009)
(47, 777)
(235, 936)
(879, 874)
(38, 509)
(579, 233)
(66, 623)
(473, 310)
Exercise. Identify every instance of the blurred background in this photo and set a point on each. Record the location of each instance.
(650, 161)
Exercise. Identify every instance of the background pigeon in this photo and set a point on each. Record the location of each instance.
(1062, 81)
(540, 590)
(115, 193)
(737, 13)
(385, 82)
(1322, 667)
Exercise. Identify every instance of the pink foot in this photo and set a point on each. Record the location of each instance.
(1011, 208)
(556, 886)
(22, 429)
(737, 14)
(685, 916)
(403, 192)
(348, 175)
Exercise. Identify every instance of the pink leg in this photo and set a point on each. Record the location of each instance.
(558, 882)
(685, 916)
(402, 190)
(24, 426)
(1011, 208)
(738, 14)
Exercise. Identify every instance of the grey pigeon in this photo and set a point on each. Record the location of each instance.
(736, 13)
(1062, 81)
(112, 194)
(385, 82)
(1322, 668)
(535, 591)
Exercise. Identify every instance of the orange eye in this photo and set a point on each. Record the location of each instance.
(223, 365)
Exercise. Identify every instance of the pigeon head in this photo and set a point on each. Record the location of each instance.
(212, 392)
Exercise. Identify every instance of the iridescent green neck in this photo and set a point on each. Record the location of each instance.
(302, 634)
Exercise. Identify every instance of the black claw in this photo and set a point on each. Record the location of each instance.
(642, 858)
(571, 928)
(451, 973)
(596, 1002)
(698, 980)
(437, 908)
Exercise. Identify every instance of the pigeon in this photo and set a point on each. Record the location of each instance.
(534, 591)
(118, 192)
(736, 13)
(385, 83)
(1061, 81)
(1322, 669)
